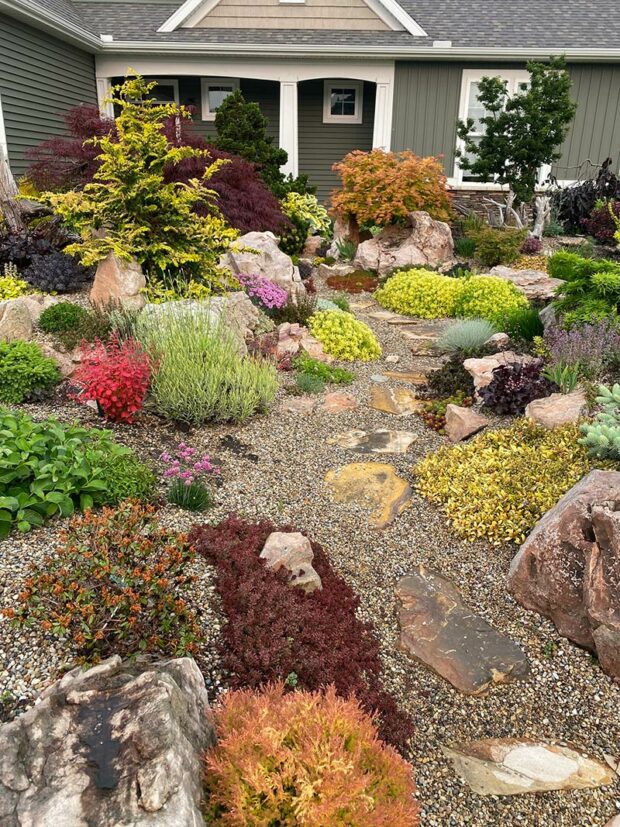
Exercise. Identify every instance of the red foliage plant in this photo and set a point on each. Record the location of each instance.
(275, 631)
(69, 162)
(116, 375)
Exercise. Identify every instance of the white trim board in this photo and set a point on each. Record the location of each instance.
(4, 147)
(390, 11)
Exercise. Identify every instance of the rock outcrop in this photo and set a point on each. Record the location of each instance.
(258, 254)
(118, 282)
(463, 422)
(568, 569)
(481, 370)
(293, 552)
(558, 409)
(114, 745)
(424, 243)
(535, 284)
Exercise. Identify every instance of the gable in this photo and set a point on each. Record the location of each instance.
(310, 15)
(273, 14)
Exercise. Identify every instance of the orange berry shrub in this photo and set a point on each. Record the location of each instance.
(114, 585)
(381, 187)
(303, 758)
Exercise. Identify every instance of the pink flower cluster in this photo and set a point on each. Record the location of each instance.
(259, 287)
(185, 467)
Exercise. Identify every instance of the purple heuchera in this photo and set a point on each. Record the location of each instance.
(265, 291)
(590, 346)
(531, 246)
(183, 465)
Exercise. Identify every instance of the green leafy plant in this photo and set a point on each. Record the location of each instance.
(566, 377)
(115, 584)
(498, 485)
(602, 436)
(303, 758)
(306, 207)
(342, 302)
(591, 288)
(200, 375)
(49, 469)
(25, 372)
(467, 337)
(344, 336)
(309, 383)
(131, 210)
(522, 323)
(420, 293)
(487, 297)
(498, 245)
(465, 246)
(346, 249)
(11, 286)
(451, 378)
(62, 317)
(327, 373)
(126, 479)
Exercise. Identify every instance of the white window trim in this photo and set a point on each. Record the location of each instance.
(4, 147)
(514, 77)
(207, 115)
(168, 82)
(292, 2)
(358, 85)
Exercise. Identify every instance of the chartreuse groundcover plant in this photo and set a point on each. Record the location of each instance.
(49, 469)
(344, 336)
(501, 483)
(311, 758)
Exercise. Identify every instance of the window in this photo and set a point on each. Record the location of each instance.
(166, 91)
(342, 101)
(214, 93)
(471, 107)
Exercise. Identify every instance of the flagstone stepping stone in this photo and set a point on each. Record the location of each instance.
(511, 766)
(463, 422)
(293, 552)
(392, 358)
(338, 401)
(412, 376)
(361, 305)
(299, 404)
(396, 401)
(372, 485)
(379, 378)
(385, 316)
(381, 441)
(437, 628)
(615, 822)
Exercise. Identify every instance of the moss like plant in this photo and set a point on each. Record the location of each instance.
(344, 336)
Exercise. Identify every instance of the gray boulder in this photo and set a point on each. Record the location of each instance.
(114, 745)
(258, 253)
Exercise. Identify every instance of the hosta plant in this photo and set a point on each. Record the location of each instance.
(115, 584)
(307, 758)
(514, 385)
(344, 336)
(602, 436)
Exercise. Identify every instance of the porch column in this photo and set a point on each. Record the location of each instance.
(288, 126)
(104, 90)
(382, 130)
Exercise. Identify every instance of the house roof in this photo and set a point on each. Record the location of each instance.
(476, 28)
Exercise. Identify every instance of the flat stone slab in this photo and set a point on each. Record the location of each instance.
(299, 404)
(396, 401)
(412, 376)
(535, 284)
(372, 485)
(511, 766)
(337, 401)
(437, 628)
(381, 441)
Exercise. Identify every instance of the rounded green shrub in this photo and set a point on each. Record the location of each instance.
(344, 336)
(420, 293)
(24, 371)
(127, 478)
(61, 317)
(487, 297)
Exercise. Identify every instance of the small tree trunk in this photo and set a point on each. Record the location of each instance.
(542, 206)
(10, 206)
(517, 215)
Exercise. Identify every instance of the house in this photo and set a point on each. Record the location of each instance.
(330, 75)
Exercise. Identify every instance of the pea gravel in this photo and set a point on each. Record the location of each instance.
(273, 467)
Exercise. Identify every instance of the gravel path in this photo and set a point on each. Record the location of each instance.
(274, 469)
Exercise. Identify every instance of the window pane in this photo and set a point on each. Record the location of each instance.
(218, 94)
(475, 110)
(342, 102)
(467, 175)
(163, 94)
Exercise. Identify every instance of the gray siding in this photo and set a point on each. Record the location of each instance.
(322, 144)
(40, 78)
(426, 108)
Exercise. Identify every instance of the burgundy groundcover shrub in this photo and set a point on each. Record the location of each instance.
(69, 162)
(278, 632)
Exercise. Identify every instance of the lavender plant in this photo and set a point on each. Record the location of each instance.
(593, 347)
(187, 474)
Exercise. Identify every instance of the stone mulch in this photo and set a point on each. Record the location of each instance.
(274, 467)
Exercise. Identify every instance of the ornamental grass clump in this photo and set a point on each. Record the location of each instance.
(308, 758)
(115, 585)
(498, 485)
(278, 632)
(420, 293)
(467, 337)
(200, 375)
(344, 336)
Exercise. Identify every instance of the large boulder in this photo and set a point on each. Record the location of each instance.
(423, 243)
(117, 744)
(535, 284)
(258, 254)
(19, 316)
(567, 569)
(118, 282)
(481, 370)
(558, 409)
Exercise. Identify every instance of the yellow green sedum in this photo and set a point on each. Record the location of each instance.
(343, 336)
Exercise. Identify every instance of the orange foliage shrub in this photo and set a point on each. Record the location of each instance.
(303, 758)
(382, 187)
